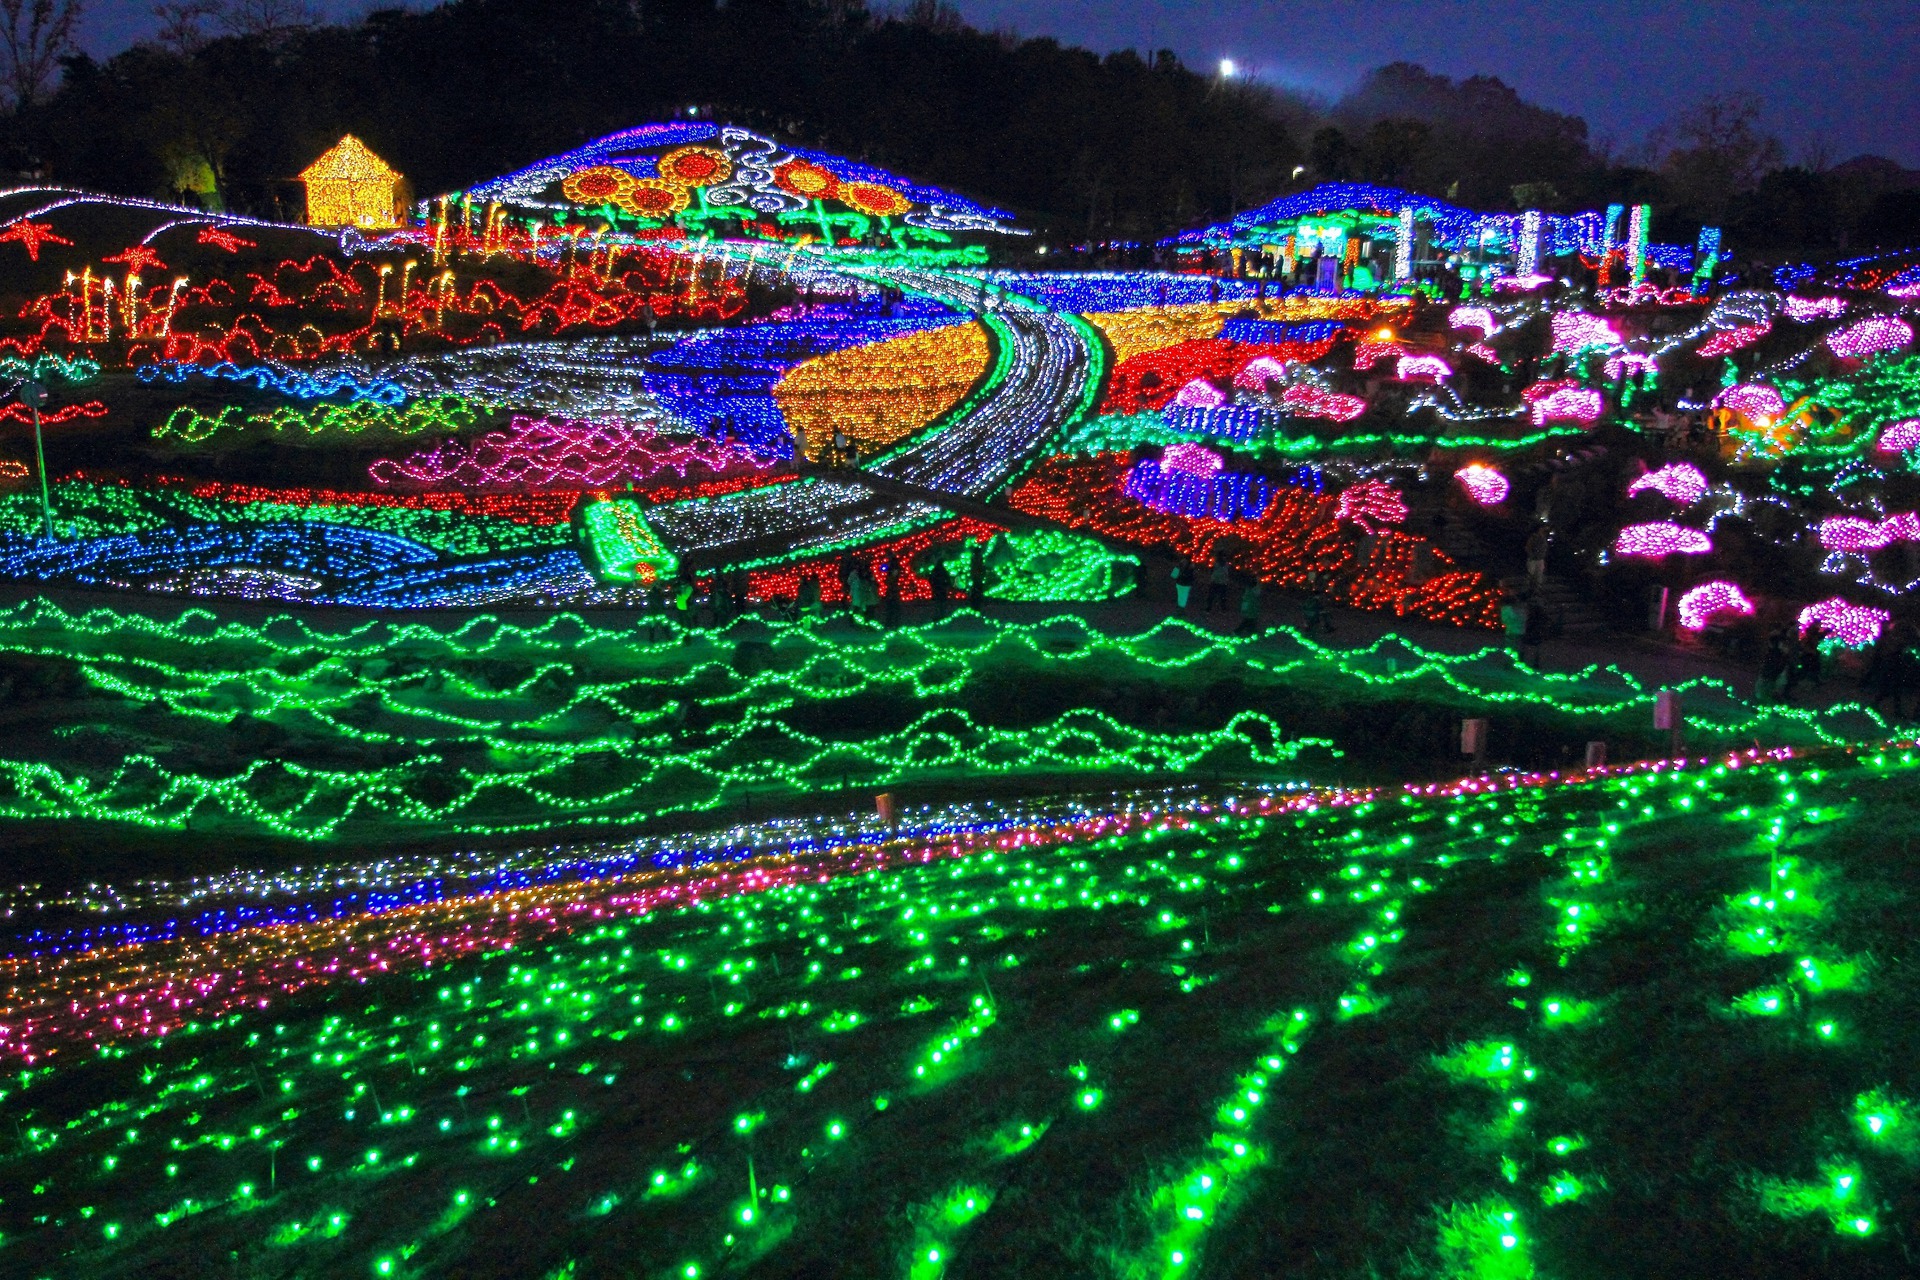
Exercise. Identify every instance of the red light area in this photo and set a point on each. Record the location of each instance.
(783, 583)
(1299, 542)
(52, 417)
(504, 288)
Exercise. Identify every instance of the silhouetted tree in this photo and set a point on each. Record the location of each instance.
(239, 95)
(34, 36)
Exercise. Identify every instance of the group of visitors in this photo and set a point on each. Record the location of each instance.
(1523, 620)
(1222, 584)
(1890, 684)
(1786, 664)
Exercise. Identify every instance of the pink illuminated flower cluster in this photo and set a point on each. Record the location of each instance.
(1485, 485)
(1661, 538)
(1804, 309)
(1564, 402)
(1312, 402)
(1259, 372)
(1711, 600)
(1851, 533)
(1474, 318)
(1520, 284)
(1679, 482)
(1412, 367)
(1728, 340)
(1371, 503)
(1200, 394)
(547, 453)
(1854, 625)
(1879, 333)
(1752, 400)
(1189, 459)
(1575, 331)
(1899, 437)
(1484, 352)
(1630, 362)
(1367, 354)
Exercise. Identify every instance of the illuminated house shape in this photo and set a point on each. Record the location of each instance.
(350, 186)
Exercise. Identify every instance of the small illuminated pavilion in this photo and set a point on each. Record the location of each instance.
(350, 186)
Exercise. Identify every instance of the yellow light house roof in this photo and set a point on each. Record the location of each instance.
(350, 186)
(350, 160)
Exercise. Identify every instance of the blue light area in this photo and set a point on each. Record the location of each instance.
(1449, 226)
(1274, 332)
(1226, 422)
(1793, 275)
(1119, 291)
(1327, 198)
(272, 376)
(1846, 272)
(518, 577)
(567, 865)
(720, 384)
(1224, 495)
(297, 547)
(312, 563)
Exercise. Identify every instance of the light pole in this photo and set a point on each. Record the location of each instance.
(33, 395)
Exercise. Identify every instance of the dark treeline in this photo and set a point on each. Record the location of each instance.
(1082, 146)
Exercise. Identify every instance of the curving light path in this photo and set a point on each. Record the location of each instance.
(1045, 375)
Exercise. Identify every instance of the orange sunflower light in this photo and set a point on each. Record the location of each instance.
(875, 200)
(652, 198)
(602, 184)
(695, 167)
(808, 181)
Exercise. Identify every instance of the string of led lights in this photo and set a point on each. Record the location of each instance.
(366, 1100)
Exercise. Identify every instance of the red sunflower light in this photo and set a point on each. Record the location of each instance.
(808, 181)
(695, 167)
(875, 200)
(652, 198)
(602, 184)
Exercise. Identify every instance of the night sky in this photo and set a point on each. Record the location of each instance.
(1836, 76)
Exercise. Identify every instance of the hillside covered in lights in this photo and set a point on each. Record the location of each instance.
(704, 707)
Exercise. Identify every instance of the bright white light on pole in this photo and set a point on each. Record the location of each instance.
(1227, 70)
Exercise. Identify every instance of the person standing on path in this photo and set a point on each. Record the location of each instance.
(1183, 577)
(1770, 685)
(1808, 667)
(1249, 610)
(890, 617)
(1533, 632)
(1537, 543)
(1513, 620)
(1218, 581)
(942, 583)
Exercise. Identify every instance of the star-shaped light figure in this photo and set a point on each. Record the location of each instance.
(31, 235)
(136, 259)
(224, 239)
